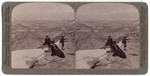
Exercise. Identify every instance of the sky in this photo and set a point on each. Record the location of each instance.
(107, 11)
(42, 11)
(59, 11)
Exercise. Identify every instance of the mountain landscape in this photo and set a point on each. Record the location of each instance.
(86, 31)
(132, 52)
(93, 35)
(28, 37)
(83, 35)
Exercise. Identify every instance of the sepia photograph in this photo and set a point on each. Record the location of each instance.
(43, 36)
(108, 37)
(95, 36)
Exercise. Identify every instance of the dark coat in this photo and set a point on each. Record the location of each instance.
(109, 41)
(62, 41)
(47, 41)
(124, 41)
(117, 51)
(56, 51)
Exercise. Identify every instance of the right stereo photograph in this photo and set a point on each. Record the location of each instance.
(107, 36)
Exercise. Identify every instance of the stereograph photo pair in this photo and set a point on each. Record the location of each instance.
(75, 37)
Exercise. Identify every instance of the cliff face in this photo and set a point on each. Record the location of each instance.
(82, 36)
(132, 52)
(93, 35)
(31, 35)
(28, 37)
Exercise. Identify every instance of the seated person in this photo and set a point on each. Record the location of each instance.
(56, 51)
(117, 51)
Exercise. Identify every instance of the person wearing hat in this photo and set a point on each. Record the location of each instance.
(124, 42)
(47, 41)
(109, 41)
(62, 40)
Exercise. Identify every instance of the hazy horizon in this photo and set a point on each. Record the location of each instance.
(42, 11)
(89, 12)
(107, 11)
